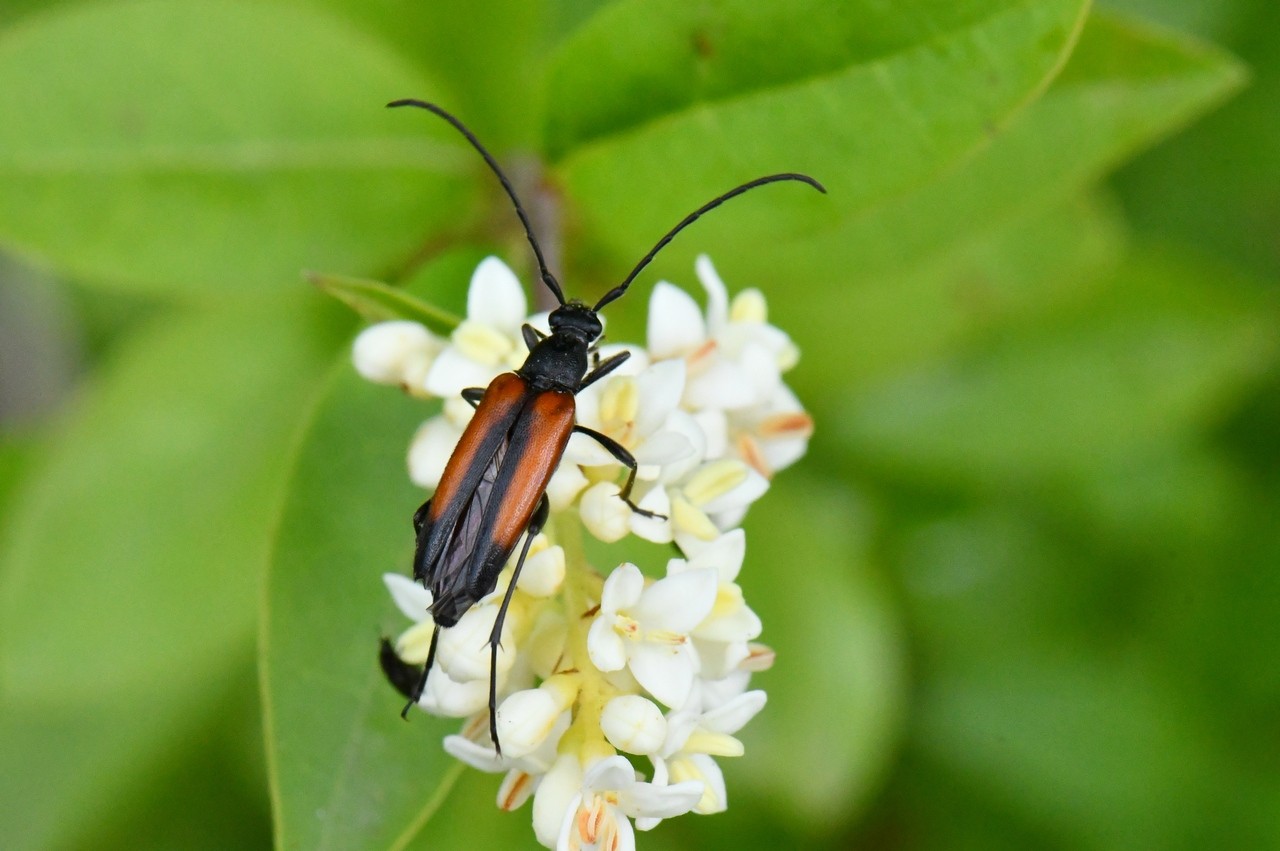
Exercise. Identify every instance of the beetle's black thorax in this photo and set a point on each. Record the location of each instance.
(559, 361)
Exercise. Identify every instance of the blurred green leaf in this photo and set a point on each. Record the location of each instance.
(213, 147)
(346, 771)
(1217, 187)
(1034, 266)
(837, 694)
(160, 486)
(471, 819)
(1123, 87)
(174, 765)
(377, 302)
(484, 54)
(1160, 355)
(1103, 754)
(870, 99)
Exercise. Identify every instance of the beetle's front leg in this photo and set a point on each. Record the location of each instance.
(617, 450)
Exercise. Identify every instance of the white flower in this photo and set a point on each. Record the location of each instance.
(647, 629)
(523, 774)
(488, 341)
(597, 816)
(735, 362)
(709, 420)
(527, 718)
(694, 735)
(714, 496)
(398, 352)
(635, 411)
(430, 449)
(722, 639)
(634, 724)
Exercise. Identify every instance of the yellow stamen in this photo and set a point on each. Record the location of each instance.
(715, 744)
(794, 424)
(692, 520)
(714, 480)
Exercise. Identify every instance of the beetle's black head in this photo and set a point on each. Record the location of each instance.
(575, 319)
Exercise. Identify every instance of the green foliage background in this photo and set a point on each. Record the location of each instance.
(1025, 587)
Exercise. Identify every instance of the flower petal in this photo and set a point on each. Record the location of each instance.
(677, 603)
(525, 719)
(586, 451)
(543, 572)
(675, 323)
(515, 789)
(748, 490)
(398, 352)
(724, 554)
(647, 799)
(717, 293)
(656, 529)
(664, 670)
(603, 513)
(613, 773)
(662, 448)
(409, 596)
(660, 388)
(634, 724)
(476, 755)
(495, 297)
(622, 589)
(560, 788)
(452, 372)
(734, 715)
(605, 646)
(565, 485)
(430, 450)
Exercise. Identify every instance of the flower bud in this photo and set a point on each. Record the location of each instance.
(634, 724)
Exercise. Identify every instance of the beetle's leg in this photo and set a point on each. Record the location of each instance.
(416, 694)
(532, 336)
(617, 450)
(473, 395)
(536, 523)
(603, 368)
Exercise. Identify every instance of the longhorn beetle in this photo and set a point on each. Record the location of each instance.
(493, 488)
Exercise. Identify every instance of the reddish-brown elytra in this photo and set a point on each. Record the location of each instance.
(493, 489)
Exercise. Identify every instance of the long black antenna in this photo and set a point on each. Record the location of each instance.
(617, 291)
(547, 277)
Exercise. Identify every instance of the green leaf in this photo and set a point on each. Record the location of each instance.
(1123, 88)
(828, 615)
(871, 99)
(130, 571)
(487, 56)
(1160, 356)
(1100, 754)
(213, 147)
(1031, 267)
(1218, 186)
(992, 241)
(346, 771)
(377, 302)
(160, 487)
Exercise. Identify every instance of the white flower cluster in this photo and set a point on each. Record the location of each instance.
(590, 668)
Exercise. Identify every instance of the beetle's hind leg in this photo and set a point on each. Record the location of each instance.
(536, 523)
(416, 694)
(617, 450)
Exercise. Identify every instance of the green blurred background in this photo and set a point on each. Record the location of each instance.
(1024, 588)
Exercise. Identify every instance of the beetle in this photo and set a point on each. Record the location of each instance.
(493, 488)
